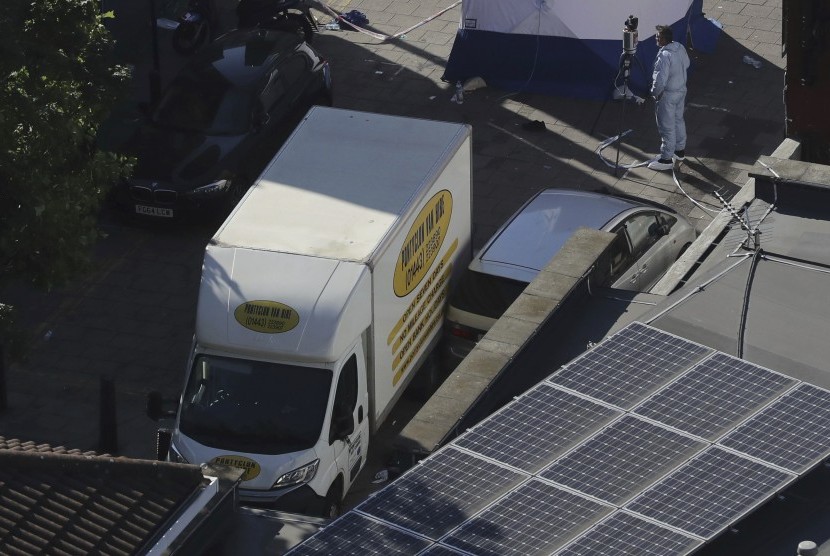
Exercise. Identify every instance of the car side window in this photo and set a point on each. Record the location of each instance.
(274, 91)
(282, 81)
(619, 256)
(643, 231)
(667, 221)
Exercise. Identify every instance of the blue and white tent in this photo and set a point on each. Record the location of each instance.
(567, 47)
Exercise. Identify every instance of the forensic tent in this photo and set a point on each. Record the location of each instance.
(568, 47)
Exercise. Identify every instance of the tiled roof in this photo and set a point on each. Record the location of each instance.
(59, 501)
(29, 446)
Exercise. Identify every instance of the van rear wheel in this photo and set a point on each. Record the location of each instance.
(427, 379)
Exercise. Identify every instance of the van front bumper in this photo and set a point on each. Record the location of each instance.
(300, 499)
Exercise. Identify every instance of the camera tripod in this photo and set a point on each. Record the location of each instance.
(626, 71)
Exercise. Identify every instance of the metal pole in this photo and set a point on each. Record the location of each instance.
(626, 74)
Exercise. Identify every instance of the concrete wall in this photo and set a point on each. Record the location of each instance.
(487, 378)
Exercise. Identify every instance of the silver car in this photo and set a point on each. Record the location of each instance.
(650, 237)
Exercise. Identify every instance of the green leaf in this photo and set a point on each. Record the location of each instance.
(49, 121)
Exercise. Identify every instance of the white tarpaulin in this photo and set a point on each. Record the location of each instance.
(570, 47)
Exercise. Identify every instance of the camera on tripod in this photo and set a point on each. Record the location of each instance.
(630, 35)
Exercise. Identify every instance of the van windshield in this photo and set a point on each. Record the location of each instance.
(254, 406)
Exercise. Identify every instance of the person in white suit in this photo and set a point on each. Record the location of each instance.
(668, 89)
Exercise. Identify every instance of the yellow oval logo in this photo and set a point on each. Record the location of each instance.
(423, 242)
(248, 465)
(268, 317)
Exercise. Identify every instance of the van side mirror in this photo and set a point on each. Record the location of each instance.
(344, 428)
(342, 423)
(158, 408)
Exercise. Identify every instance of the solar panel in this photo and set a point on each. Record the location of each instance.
(715, 396)
(622, 460)
(644, 445)
(536, 428)
(710, 492)
(440, 550)
(623, 534)
(536, 518)
(441, 492)
(355, 534)
(792, 433)
(630, 365)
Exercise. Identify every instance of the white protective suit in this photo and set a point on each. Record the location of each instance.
(668, 88)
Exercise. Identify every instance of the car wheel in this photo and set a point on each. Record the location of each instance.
(427, 379)
(190, 37)
(332, 505)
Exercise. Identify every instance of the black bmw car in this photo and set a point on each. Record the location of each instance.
(220, 121)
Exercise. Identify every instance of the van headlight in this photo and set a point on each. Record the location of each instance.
(210, 190)
(299, 476)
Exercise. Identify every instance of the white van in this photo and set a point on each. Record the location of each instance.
(322, 294)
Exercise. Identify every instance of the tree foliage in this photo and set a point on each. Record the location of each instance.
(58, 83)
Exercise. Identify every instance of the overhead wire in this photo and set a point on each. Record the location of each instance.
(750, 277)
(700, 287)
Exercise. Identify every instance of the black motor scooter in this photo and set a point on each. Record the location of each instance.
(197, 25)
(195, 28)
(286, 15)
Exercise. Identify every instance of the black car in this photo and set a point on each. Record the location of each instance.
(220, 121)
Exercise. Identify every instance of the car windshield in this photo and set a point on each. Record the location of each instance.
(254, 406)
(203, 101)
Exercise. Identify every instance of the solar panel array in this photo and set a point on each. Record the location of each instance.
(357, 534)
(647, 444)
(628, 366)
(537, 428)
(714, 396)
(622, 459)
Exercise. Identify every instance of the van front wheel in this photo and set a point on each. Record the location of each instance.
(332, 505)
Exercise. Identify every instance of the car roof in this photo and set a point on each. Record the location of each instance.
(538, 230)
(242, 55)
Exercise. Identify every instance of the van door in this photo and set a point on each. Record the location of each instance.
(350, 414)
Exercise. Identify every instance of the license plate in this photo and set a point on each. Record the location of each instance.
(154, 211)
